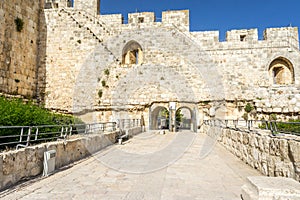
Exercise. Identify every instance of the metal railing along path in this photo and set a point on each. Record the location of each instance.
(275, 127)
(23, 136)
(128, 123)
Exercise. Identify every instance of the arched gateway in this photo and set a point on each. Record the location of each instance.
(166, 115)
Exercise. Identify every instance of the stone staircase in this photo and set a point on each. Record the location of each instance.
(94, 27)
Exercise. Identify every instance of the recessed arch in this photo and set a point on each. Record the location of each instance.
(281, 71)
(184, 118)
(159, 120)
(191, 121)
(132, 53)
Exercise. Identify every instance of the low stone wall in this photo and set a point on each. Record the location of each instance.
(271, 155)
(134, 131)
(24, 163)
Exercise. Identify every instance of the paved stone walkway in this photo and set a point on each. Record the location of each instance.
(179, 166)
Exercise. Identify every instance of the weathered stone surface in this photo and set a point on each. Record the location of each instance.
(271, 155)
(270, 188)
(294, 151)
(27, 162)
(19, 52)
(8, 163)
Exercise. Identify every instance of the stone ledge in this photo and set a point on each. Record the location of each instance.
(270, 188)
(28, 162)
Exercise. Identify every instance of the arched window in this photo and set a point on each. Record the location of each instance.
(132, 53)
(281, 71)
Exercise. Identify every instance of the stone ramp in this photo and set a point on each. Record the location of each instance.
(219, 175)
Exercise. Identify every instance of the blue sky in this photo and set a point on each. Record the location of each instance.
(219, 15)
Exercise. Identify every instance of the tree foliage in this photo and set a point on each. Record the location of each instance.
(15, 112)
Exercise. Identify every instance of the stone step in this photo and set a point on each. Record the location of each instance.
(269, 188)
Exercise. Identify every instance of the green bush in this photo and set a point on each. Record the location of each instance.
(103, 83)
(248, 108)
(15, 112)
(286, 127)
(106, 72)
(294, 128)
(273, 117)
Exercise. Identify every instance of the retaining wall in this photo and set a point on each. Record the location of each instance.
(134, 131)
(271, 155)
(24, 163)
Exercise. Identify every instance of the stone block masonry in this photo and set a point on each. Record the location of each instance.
(62, 52)
(19, 49)
(271, 155)
(145, 56)
(25, 163)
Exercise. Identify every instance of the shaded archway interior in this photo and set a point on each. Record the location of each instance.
(132, 53)
(184, 118)
(281, 72)
(159, 118)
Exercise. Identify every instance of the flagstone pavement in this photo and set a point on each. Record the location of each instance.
(181, 165)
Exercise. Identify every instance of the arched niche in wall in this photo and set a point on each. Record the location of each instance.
(132, 53)
(281, 71)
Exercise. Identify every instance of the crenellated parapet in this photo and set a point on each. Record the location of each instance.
(242, 35)
(91, 6)
(57, 3)
(106, 57)
(171, 19)
(179, 19)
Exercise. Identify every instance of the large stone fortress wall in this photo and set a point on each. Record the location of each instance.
(19, 51)
(98, 62)
(79, 61)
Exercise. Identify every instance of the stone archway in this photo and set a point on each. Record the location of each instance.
(183, 118)
(157, 121)
(132, 53)
(190, 123)
(281, 71)
(192, 109)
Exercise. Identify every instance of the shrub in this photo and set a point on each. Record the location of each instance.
(286, 127)
(19, 24)
(15, 112)
(106, 72)
(103, 83)
(245, 116)
(248, 108)
(100, 93)
(273, 117)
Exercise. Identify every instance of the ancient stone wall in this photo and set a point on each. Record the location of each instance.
(271, 155)
(102, 64)
(24, 163)
(19, 49)
(92, 6)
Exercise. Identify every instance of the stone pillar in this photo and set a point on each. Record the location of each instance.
(172, 116)
(201, 120)
(91, 6)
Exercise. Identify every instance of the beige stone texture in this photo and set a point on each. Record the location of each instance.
(271, 155)
(28, 162)
(19, 51)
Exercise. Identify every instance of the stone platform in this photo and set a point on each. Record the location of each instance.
(269, 188)
(180, 165)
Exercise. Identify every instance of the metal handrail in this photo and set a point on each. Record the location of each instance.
(273, 126)
(128, 123)
(23, 136)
